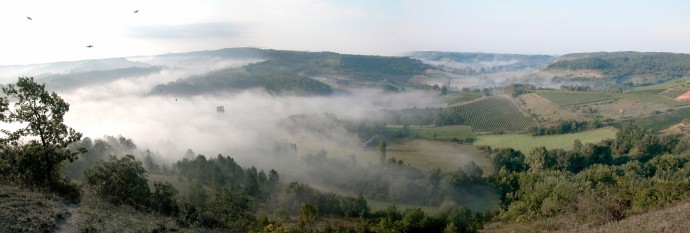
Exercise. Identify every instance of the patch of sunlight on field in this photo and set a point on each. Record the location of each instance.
(525, 143)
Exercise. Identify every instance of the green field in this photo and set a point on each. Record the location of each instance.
(646, 96)
(493, 114)
(525, 143)
(443, 133)
(660, 121)
(658, 88)
(567, 98)
(460, 97)
(430, 154)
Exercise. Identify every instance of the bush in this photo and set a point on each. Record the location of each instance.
(163, 199)
(119, 181)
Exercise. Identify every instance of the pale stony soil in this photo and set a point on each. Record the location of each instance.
(683, 97)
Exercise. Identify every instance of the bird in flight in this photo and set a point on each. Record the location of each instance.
(29, 18)
(136, 11)
(89, 46)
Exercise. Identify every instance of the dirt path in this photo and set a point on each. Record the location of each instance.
(69, 224)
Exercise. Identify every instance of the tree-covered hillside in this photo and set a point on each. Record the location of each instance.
(478, 63)
(621, 65)
(291, 72)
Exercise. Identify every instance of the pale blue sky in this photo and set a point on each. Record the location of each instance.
(60, 30)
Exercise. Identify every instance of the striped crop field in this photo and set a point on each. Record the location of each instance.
(493, 114)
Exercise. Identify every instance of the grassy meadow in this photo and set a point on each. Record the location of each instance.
(525, 143)
(429, 154)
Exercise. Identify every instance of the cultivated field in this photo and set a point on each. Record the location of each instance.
(660, 121)
(545, 111)
(493, 114)
(525, 143)
(460, 97)
(567, 98)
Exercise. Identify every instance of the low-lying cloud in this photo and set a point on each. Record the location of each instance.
(253, 119)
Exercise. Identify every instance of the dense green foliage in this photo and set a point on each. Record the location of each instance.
(32, 154)
(564, 127)
(119, 181)
(97, 150)
(598, 182)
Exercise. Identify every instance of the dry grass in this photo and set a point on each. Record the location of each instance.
(547, 112)
(670, 219)
(682, 128)
(28, 211)
(97, 215)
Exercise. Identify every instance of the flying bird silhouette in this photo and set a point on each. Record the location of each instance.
(29, 18)
(89, 46)
(136, 11)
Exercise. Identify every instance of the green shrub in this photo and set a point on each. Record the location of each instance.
(163, 198)
(119, 181)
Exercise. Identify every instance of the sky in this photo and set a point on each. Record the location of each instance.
(61, 30)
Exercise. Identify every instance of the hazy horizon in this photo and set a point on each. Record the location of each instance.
(60, 31)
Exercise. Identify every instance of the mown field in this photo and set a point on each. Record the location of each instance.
(493, 114)
(525, 143)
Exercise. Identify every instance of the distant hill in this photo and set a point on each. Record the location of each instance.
(77, 79)
(292, 72)
(480, 63)
(637, 67)
(235, 79)
(13, 71)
